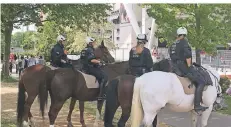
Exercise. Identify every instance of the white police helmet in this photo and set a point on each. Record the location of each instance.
(89, 40)
(182, 30)
(142, 38)
(61, 38)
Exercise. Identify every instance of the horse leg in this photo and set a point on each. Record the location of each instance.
(124, 117)
(27, 106)
(149, 118)
(54, 110)
(81, 109)
(31, 120)
(71, 108)
(110, 108)
(154, 123)
(205, 116)
(194, 119)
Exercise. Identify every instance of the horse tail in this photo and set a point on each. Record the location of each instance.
(43, 89)
(111, 100)
(137, 112)
(21, 102)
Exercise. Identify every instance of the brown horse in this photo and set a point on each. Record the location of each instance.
(120, 92)
(68, 83)
(33, 76)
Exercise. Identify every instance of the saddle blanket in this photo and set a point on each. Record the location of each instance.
(188, 86)
(90, 80)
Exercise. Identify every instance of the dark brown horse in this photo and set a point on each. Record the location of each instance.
(68, 83)
(33, 76)
(120, 92)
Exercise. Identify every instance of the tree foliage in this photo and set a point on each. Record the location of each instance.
(208, 24)
(14, 15)
(27, 40)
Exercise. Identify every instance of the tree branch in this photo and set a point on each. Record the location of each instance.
(29, 20)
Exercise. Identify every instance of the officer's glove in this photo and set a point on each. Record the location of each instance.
(197, 65)
(63, 61)
(103, 63)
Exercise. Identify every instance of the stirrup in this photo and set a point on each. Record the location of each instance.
(200, 110)
(101, 98)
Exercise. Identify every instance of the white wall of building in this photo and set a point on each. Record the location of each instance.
(125, 39)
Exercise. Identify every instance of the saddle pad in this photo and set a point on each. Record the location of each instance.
(53, 68)
(90, 80)
(188, 87)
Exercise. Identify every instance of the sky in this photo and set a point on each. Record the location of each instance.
(23, 28)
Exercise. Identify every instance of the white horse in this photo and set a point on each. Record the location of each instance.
(155, 90)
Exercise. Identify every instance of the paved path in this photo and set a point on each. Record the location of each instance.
(176, 119)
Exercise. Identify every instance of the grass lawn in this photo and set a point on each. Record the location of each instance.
(228, 102)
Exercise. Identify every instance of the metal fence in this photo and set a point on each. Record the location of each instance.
(222, 60)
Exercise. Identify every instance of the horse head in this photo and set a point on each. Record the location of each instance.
(103, 53)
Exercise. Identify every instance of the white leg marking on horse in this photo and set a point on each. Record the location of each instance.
(205, 116)
(52, 125)
(97, 119)
(31, 122)
(193, 119)
(25, 124)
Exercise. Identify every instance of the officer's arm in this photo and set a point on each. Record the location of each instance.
(149, 61)
(56, 53)
(187, 53)
(91, 56)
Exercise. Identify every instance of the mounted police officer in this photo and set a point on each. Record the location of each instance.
(140, 59)
(58, 57)
(181, 56)
(92, 65)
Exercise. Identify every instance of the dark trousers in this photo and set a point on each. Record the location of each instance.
(16, 68)
(98, 73)
(20, 71)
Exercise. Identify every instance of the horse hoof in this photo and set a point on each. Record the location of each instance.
(31, 123)
(70, 124)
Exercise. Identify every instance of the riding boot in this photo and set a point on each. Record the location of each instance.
(198, 98)
(101, 93)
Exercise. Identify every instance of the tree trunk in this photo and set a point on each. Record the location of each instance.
(198, 56)
(8, 32)
(198, 32)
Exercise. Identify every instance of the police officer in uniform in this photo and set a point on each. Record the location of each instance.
(92, 65)
(58, 57)
(181, 56)
(140, 60)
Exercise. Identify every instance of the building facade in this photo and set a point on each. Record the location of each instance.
(129, 20)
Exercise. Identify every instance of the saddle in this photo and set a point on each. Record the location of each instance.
(90, 80)
(188, 86)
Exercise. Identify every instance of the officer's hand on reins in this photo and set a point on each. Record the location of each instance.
(197, 65)
(102, 63)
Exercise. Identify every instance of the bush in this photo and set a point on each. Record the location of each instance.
(225, 83)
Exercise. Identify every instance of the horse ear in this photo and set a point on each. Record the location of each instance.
(102, 43)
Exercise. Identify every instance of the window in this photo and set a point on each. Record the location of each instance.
(118, 31)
